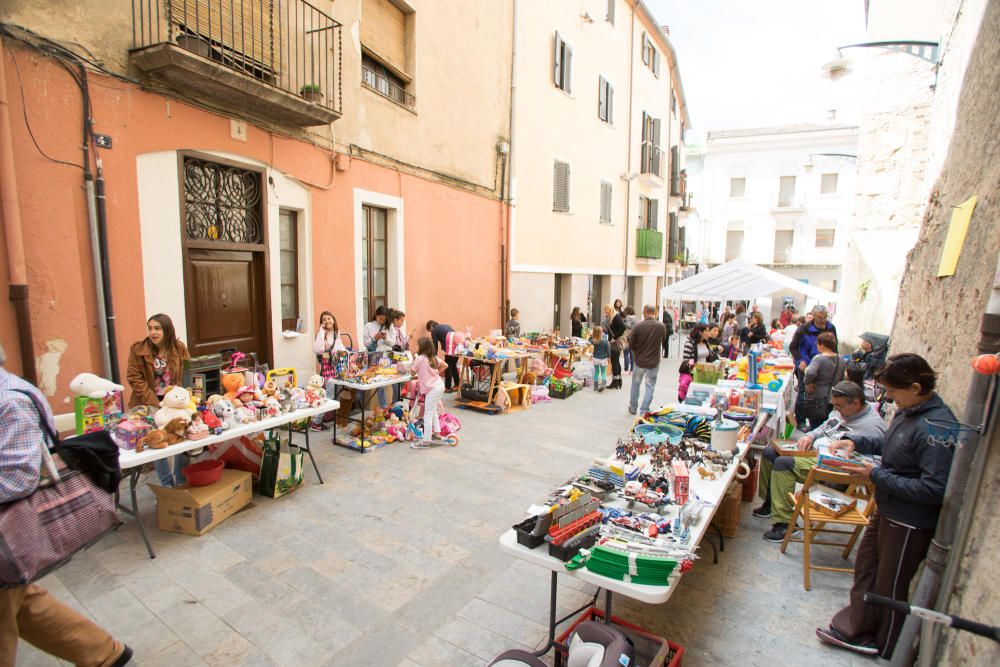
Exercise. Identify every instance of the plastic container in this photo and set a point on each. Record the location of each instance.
(203, 473)
(565, 552)
(725, 436)
(565, 392)
(650, 650)
(524, 532)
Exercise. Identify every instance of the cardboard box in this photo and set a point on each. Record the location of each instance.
(195, 510)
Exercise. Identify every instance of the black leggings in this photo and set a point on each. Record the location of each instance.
(616, 363)
(451, 373)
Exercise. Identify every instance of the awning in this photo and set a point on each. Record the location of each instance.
(739, 280)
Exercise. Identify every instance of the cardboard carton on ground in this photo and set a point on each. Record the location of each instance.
(195, 510)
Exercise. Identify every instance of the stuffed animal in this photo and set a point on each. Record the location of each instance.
(92, 386)
(213, 423)
(269, 388)
(299, 401)
(272, 406)
(316, 386)
(176, 430)
(197, 429)
(224, 410)
(232, 383)
(155, 439)
(210, 401)
(174, 404)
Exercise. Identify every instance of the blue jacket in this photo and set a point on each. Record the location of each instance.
(803, 345)
(910, 484)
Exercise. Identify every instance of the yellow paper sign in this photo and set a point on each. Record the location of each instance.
(960, 217)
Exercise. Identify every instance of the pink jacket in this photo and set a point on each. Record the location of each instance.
(427, 377)
(682, 386)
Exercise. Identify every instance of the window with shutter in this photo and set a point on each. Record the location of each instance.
(560, 187)
(611, 12)
(656, 63)
(828, 184)
(602, 98)
(737, 187)
(682, 243)
(645, 49)
(383, 32)
(672, 238)
(605, 202)
(786, 191)
(562, 72)
(643, 211)
(611, 103)
(653, 220)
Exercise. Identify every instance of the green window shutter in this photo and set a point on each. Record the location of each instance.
(602, 98)
(611, 103)
(611, 12)
(567, 68)
(654, 213)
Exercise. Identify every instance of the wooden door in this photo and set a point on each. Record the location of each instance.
(224, 228)
(225, 302)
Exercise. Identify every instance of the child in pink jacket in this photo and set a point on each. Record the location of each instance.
(684, 381)
(428, 369)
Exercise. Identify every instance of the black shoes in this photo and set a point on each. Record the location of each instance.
(777, 532)
(124, 658)
(764, 511)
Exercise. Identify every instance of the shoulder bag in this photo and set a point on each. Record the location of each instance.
(66, 514)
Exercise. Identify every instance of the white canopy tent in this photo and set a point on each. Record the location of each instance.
(741, 281)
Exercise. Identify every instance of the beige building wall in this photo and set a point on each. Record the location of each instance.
(552, 124)
(450, 135)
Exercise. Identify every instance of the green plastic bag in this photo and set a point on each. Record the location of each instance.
(280, 468)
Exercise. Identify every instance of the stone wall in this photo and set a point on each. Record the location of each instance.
(940, 317)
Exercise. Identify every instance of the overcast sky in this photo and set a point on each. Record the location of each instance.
(757, 63)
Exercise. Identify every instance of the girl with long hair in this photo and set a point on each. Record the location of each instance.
(429, 369)
(325, 347)
(155, 363)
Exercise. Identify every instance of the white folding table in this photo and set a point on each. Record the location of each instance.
(711, 491)
(133, 461)
(361, 386)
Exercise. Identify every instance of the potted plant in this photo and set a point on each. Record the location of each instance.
(311, 92)
(680, 259)
(194, 44)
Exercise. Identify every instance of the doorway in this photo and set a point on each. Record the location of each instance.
(224, 232)
(374, 259)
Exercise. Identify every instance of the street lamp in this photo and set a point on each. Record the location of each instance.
(841, 66)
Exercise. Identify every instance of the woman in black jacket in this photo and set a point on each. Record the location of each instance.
(616, 336)
(757, 331)
(909, 491)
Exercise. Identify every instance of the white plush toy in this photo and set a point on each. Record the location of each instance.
(174, 404)
(92, 386)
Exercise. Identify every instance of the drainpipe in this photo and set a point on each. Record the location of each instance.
(507, 252)
(937, 582)
(17, 271)
(666, 262)
(628, 142)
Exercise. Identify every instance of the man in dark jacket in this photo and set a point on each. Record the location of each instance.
(439, 336)
(803, 349)
(645, 344)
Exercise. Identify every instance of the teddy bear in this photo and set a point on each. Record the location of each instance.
(272, 406)
(232, 382)
(269, 388)
(226, 413)
(88, 384)
(174, 404)
(316, 386)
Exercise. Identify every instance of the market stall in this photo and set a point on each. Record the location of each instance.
(481, 380)
(131, 461)
(632, 523)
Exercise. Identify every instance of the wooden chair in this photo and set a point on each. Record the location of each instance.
(814, 520)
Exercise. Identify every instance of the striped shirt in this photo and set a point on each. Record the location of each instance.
(21, 437)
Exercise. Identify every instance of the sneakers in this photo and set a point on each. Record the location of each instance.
(777, 532)
(632, 411)
(313, 426)
(833, 637)
(764, 511)
(124, 658)
(420, 444)
(602, 387)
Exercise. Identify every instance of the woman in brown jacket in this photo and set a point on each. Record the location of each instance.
(155, 363)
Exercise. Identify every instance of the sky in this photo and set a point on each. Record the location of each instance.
(758, 63)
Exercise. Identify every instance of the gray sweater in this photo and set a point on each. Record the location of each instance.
(824, 372)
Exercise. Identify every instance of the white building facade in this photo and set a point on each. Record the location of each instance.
(780, 197)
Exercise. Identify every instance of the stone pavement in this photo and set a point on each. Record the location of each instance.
(394, 561)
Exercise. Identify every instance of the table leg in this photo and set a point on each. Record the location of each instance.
(307, 448)
(553, 591)
(722, 538)
(607, 606)
(133, 511)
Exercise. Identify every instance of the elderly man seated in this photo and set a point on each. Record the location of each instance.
(778, 474)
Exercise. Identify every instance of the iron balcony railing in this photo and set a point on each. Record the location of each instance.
(648, 243)
(288, 44)
(387, 88)
(651, 159)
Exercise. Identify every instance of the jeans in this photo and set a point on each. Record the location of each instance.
(638, 376)
(451, 378)
(600, 372)
(169, 470)
(432, 408)
(627, 353)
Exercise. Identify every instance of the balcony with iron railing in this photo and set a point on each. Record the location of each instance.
(387, 88)
(648, 243)
(275, 60)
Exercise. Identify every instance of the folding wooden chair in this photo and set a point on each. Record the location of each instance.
(814, 520)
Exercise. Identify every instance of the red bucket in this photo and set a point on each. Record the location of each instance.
(204, 473)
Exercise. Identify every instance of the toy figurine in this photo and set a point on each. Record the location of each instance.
(197, 429)
(224, 410)
(272, 407)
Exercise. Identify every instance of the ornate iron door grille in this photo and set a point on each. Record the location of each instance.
(222, 203)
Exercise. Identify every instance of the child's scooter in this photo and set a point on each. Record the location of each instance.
(419, 442)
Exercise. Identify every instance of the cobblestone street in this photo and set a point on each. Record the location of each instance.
(394, 561)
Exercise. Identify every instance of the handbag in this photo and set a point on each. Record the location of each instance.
(66, 514)
(281, 468)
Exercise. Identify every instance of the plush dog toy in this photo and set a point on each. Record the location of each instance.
(88, 384)
(224, 410)
(170, 433)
